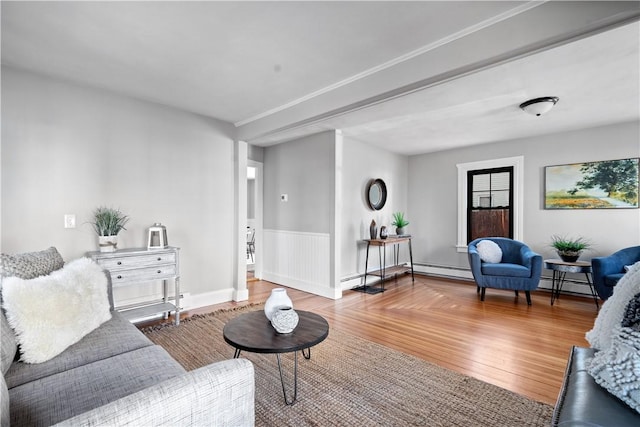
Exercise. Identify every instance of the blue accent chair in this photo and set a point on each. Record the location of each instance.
(608, 270)
(519, 270)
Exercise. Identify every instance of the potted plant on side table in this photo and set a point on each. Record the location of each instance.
(569, 249)
(399, 222)
(108, 222)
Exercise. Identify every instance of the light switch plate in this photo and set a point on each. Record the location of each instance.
(69, 221)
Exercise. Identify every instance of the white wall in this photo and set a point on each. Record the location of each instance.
(433, 187)
(361, 164)
(69, 149)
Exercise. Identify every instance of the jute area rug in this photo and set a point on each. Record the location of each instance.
(350, 381)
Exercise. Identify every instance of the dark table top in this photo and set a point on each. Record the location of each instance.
(253, 332)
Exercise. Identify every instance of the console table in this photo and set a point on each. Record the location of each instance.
(129, 267)
(561, 268)
(385, 272)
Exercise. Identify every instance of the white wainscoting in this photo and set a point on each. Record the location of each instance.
(299, 260)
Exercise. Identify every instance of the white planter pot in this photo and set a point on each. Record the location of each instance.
(107, 243)
(278, 298)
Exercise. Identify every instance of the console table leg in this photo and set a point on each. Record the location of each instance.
(295, 378)
(411, 260)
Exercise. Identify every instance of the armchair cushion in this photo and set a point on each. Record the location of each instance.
(505, 269)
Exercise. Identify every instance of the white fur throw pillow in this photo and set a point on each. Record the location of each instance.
(50, 313)
(489, 251)
(613, 309)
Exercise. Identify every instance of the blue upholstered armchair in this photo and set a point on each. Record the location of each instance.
(519, 268)
(608, 270)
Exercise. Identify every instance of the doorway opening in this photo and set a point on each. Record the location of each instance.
(254, 221)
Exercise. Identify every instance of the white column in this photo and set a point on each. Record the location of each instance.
(240, 291)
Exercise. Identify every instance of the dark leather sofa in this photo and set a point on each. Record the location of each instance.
(582, 402)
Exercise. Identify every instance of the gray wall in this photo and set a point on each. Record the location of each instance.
(68, 149)
(303, 169)
(361, 164)
(433, 190)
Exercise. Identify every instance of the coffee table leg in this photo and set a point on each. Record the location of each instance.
(308, 355)
(236, 354)
(295, 379)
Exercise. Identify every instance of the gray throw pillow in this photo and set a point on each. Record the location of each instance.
(30, 265)
(8, 344)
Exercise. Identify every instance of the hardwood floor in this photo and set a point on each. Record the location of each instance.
(501, 340)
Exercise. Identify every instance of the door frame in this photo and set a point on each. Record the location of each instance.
(259, 222)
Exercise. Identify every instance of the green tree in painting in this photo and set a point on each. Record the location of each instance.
(618, 178)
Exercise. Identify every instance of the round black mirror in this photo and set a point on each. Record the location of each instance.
(376, 194)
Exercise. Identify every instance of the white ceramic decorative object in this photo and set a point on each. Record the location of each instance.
(278, 298)
(284, 319)
(107, 243)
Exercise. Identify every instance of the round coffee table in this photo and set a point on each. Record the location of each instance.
(253, 332)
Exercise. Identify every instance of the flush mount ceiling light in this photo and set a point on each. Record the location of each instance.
(539, 106)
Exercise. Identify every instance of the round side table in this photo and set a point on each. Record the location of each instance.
(561, 268)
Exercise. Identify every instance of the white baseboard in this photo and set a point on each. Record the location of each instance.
(576, 287)
(312, 288)
(207, 298)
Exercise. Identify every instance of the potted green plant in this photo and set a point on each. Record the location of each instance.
(108, 222)
(569, 249)
(399, 222)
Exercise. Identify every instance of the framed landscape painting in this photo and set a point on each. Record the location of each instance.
(610, 184)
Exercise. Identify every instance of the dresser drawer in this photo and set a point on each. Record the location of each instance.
(139, 275)
(138, 261)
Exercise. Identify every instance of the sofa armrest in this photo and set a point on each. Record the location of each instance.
(218, 394)
(582, 402)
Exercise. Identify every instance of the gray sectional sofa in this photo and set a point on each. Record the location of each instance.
(116, 376)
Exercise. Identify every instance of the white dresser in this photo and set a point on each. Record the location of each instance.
(128, 267)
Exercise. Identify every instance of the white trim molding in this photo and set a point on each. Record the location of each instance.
(518, 195)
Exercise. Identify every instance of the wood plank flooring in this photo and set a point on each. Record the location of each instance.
(501, 340)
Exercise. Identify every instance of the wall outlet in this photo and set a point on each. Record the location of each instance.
(69, 221)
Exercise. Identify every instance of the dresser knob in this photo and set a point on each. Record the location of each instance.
(119, 262)
(159, 271)
(159, 259)
(119, 277)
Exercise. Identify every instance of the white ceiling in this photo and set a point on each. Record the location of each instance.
(249, 62)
